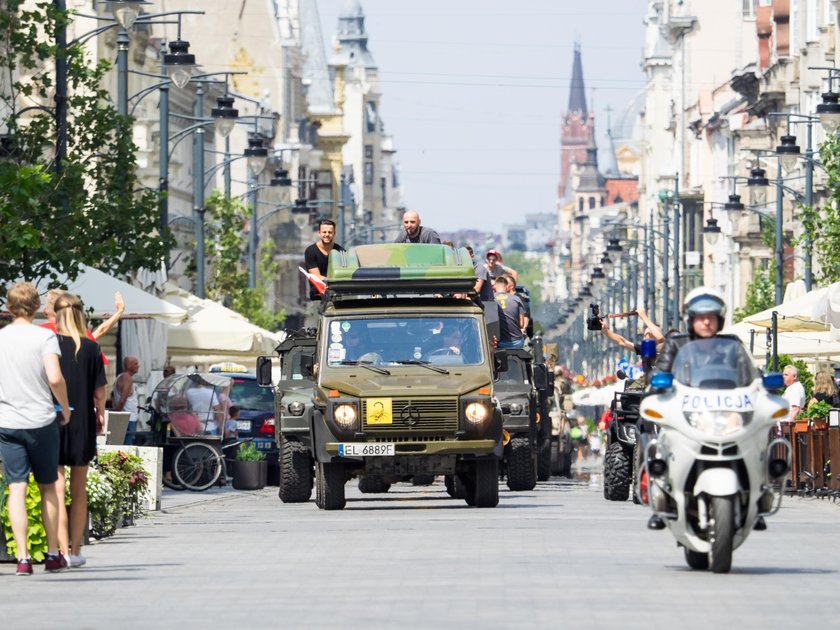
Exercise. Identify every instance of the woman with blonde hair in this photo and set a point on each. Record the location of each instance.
(824, 389)
(82, 367)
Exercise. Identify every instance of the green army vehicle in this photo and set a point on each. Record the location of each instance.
(402, 373)
(293, 410)
(519, 402)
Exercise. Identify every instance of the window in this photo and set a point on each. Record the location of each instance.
(580, 204)
(591, 203)
(370, 117)
(368, 151)
(748, 8)
(368, 173)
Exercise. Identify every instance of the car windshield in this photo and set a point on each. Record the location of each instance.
(515, 372)
(714, 363)
(247, 394)
(405, 341)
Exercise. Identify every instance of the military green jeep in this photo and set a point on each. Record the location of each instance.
(403, 373)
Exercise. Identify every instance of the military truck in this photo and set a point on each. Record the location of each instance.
(402, 373)
(520, 407)
(293, 410)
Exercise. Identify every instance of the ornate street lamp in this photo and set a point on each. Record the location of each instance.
(758, 184)
(734, 203)
(788, 152)
(711, 231)
(125, 12)
(224, 115)
(179, 62)
(829, 112)
(256, 154)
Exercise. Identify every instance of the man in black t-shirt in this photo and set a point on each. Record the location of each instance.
(316, 256)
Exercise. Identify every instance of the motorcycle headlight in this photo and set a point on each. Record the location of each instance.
(476, 412)
(516, 409)
(345, 415)
(296, 408)
(718, 422)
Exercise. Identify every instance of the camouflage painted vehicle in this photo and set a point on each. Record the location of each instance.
(519, 402)
(293, 409)
(403, 374)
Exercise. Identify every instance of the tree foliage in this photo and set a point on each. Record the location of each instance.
(83, 209)
(227, 276)
(825, 226)
(761, 293)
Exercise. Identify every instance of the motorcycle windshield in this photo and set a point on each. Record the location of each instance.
(714, 363)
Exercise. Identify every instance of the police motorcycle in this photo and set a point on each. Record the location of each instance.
(713, 473)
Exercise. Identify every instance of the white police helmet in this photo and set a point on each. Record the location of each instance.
(702, 301)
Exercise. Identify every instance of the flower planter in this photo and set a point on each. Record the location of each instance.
(250, 475)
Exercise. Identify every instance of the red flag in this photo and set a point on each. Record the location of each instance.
(317, 282)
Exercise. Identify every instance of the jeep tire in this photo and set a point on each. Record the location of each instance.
(373, 484)
(329, 494)
(544, 460)
(618, 472)
(455, 487)
(296, 474)
(484, 483)
(521, 464)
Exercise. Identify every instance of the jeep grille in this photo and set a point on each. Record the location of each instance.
(431, 416)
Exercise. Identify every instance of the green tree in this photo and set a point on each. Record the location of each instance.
(227, 277)
(825, 226)
(761, 294)
(530, 274)
(84, 211)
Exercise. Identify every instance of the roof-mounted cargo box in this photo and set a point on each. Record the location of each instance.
(401, 268)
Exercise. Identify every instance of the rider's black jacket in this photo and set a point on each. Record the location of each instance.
(672, 345)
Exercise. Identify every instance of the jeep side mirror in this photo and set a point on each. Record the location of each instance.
(307, 362)
(540, 377)
(500, 363)
(264, 371)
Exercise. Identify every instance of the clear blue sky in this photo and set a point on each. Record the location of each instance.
(473, 92)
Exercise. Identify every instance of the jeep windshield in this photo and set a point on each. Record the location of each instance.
(421, 340)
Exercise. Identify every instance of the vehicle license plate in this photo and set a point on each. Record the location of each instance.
(365, 450)
(264, 445)
(243, 425)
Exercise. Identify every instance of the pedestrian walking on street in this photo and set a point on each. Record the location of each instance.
(124, 396)
(84, 373)
(30, 375)
(414, 232)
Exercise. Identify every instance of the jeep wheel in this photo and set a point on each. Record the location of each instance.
(373, 484)
(455, 488)
(521, 469)
(329, 494)
(618, 470)
(296, 478)
(636, 468)
(486, 483)
(544, 460)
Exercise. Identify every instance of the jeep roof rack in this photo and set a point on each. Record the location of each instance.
(400, 268)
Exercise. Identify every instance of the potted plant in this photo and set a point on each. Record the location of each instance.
(250, 470)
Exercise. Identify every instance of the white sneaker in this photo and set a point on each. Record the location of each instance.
(76, 561)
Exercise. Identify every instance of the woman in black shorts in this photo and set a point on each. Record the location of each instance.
(84, 372)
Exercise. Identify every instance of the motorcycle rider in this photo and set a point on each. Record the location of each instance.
(704, 310)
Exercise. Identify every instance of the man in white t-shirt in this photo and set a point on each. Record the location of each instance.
(794, 392)
(203, 402)
(30, 375)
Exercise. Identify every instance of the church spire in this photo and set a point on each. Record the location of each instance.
(577, 91)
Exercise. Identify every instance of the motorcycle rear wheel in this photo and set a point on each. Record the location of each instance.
(721, 533)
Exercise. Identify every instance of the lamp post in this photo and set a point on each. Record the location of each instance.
(257, 156)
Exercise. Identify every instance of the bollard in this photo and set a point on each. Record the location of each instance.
(834, 447)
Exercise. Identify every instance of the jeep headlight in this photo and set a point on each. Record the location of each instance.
(516, 409)
(476, 412)
(718, 422)
(345, 415)
(296, 408)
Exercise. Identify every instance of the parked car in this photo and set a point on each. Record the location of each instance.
(256, 408)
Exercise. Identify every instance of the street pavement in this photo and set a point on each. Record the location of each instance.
(413, 558)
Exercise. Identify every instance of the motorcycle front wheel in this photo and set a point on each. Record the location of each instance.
(721, 533)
